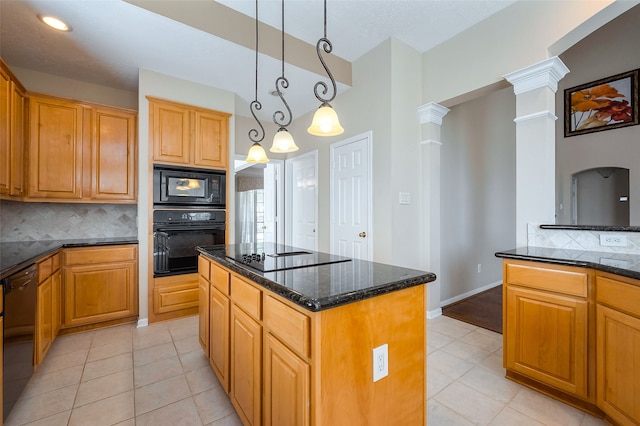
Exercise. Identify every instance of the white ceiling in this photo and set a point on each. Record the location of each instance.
(112, 39)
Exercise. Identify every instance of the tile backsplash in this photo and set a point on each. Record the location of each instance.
(55, 221)
(579, 240)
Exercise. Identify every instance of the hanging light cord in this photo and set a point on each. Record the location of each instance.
(256, 135)
(324, 44)
(279, 117)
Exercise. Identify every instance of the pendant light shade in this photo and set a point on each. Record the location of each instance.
(325, 122)
(256, 154)
(283, 142)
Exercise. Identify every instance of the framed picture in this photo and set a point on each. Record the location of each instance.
(609, 103)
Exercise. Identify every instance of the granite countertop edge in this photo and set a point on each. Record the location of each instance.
(319, 304)
(8, 267)
(553, 256)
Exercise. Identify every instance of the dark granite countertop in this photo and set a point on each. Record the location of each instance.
(17, 255)
(605, 228)
(627, 265)
(317, 288)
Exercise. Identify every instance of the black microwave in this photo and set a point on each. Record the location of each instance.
(182, 186)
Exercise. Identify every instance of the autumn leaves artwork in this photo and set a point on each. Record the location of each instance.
(605, 104)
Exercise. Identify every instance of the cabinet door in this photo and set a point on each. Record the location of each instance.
(95, 293)
(55, 149)
(44, 320)
(170, 133)
(618, 365)
(18, 132)
(211, 137)
(219, 336)
(546, 337)
(113, 151)
(286, 386)
(203, 314)
(56, 302)
(246, 366)
(5, 132)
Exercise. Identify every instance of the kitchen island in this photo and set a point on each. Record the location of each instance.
(298, 337)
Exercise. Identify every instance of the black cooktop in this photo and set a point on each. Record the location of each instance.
(269, 257)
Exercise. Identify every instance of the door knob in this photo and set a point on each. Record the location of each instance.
(362, 235)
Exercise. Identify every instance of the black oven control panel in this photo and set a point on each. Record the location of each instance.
(185, 216)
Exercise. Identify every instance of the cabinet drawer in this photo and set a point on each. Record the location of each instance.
(105, 254)
(289, 325)
(559, 279)
(175, 298)
(45, 268)
(220, 278)
(618, 294)
(55, 262)
(203, 267)
(247, 297)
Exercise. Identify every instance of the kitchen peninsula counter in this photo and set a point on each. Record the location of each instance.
(17, 255)
(305, 338)
(627, 265)
(319, 287)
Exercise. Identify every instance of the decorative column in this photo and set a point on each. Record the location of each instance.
(535, 88)
(430, 116)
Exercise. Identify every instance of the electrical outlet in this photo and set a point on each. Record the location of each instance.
(613, 240)
(380, 362)
(479, 267)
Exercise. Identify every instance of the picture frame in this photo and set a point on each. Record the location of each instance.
(605, 104)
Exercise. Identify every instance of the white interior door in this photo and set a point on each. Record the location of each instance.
(351, 197)
(302, 211)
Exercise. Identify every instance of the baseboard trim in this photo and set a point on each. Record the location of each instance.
(434, 314)
(469, 293)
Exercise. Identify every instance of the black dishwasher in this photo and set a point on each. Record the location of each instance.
(20, 291)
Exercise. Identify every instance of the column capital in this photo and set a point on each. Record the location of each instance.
(543, 74)
(432, 113)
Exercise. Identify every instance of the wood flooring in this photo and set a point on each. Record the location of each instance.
(482, 309)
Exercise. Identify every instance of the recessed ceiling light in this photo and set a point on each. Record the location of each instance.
(54, 22)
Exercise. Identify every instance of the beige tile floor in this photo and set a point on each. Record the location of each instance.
(158, 376)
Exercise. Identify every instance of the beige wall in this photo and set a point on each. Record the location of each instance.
(611, 50)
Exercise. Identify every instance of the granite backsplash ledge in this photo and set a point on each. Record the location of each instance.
(56, 221)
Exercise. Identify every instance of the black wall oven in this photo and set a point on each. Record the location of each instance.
(177, 233)
(188, 187)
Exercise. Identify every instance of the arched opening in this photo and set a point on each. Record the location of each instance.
(600, 196)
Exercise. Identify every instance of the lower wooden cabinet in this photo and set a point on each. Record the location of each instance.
(219, 336)
(547, 338)
(286, 386)
(246, 366)
(48, 307)
(203, 314)
(100, 284)
(618, 343)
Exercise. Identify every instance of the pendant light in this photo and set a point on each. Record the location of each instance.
(325, 120)
(256, 152)
(282, 141)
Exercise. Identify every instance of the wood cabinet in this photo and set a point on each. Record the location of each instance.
(13, 114)
(174, 296)
(100, 284)
(187, 135)
(246, 350)
(618, 343)
(547, 321)
(203, 314)
(47, 305)
(291, 366)
(80, 152)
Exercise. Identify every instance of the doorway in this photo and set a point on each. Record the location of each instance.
(600, 196)
(302, 201)
(258, 202)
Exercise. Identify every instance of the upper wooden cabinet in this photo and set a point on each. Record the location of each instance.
(187, 135)
(13, 113)
(80, 152)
